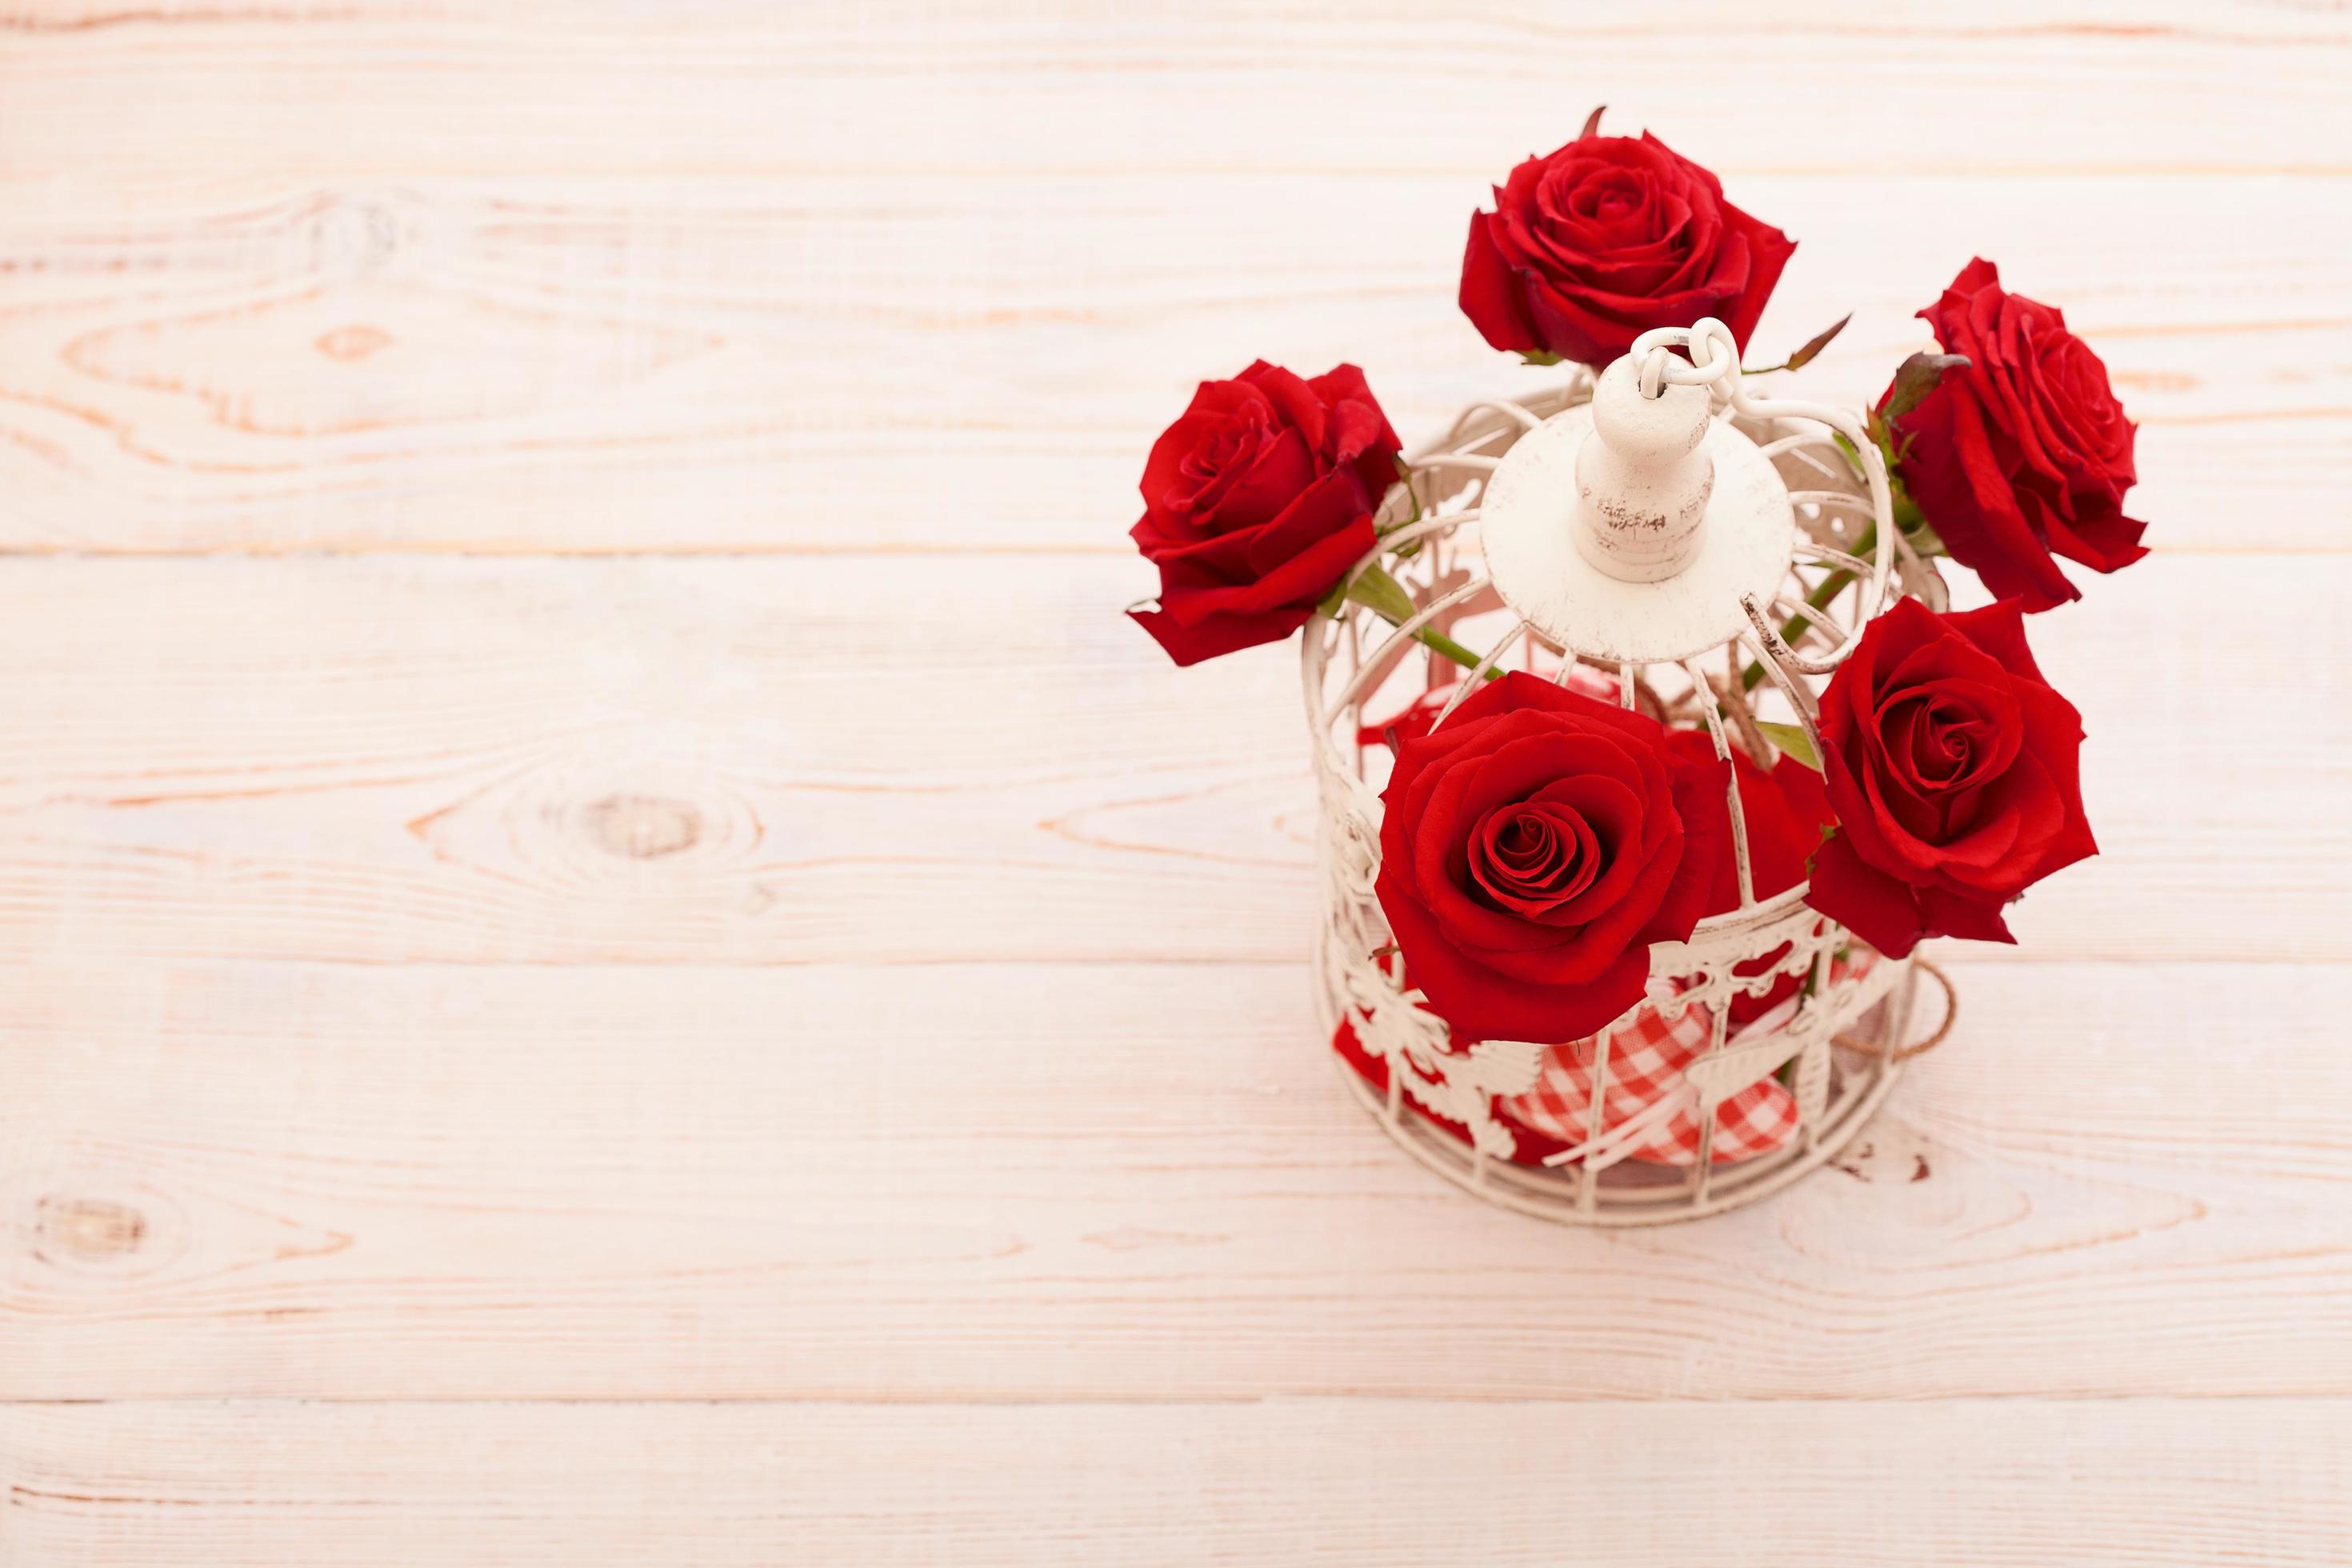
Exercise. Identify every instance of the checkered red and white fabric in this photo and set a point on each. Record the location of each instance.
(1649, 1109)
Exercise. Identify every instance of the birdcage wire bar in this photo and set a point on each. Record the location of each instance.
(1844, 1036)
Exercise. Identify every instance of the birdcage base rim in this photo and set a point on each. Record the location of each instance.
(1552, 1195)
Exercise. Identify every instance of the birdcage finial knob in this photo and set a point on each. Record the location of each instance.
(1643, 481)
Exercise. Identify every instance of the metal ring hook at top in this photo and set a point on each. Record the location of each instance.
(1660, 368)
(1712, 339)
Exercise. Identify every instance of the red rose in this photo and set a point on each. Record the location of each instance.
(1257, 502)
(2023, 454)
(1532, 849)
(1589, 247)
(1786, 814)
(1952, 767)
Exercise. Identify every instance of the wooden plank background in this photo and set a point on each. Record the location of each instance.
(613, 954)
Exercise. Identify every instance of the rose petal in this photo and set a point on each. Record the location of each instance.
(1948, 468)
(1868, 902)
(1488, 295)
(1944, 912)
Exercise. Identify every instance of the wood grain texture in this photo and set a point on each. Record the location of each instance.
(813, 278)
(795, 1054)
(916, 759)
(827, 364)
(652, 91)
(1944, 1484)
(1141, 1181)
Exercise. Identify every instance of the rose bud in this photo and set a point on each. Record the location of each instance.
(1532, 848)
(2024, 453)
(1257, 502)
(1594, 245)
(1952, 767)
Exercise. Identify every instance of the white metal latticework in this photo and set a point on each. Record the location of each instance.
(1839, 1050)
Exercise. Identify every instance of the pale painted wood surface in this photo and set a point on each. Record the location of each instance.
(801, 1054)
(1785, 1485)
(1089, 1180)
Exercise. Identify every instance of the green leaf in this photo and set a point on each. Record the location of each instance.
(1908, 518)
(1539, 356)
(1910, 521)
(1383, 594)
(1404, 476)
(1592, 122)
(1794, 741)
(1852, 454)
(1916, 378)
(1386, 597)
(1818, 341)
(1804, 356)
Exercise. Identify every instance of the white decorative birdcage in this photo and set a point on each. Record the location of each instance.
(1707, 532)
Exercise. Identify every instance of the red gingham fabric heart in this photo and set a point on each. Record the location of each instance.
(1649, 1110)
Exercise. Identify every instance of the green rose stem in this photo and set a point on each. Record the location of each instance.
(1820, 599)
(1909, 521)
(1386, 597)
(1913, 380)
(1438, 642)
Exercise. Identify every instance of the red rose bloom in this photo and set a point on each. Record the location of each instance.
(1255, 504)
(2023, 455)
(1589, 247)
(1532, 848)
(1786, 814)
(1952, 767)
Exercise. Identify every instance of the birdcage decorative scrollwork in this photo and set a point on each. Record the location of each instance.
(1478, 537)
